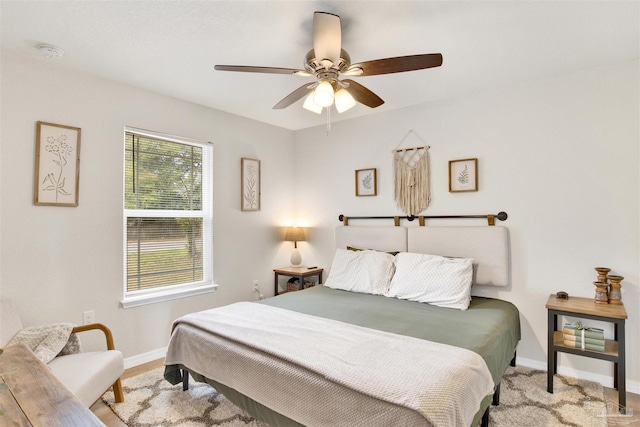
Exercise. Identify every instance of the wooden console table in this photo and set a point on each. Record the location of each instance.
(36, 397)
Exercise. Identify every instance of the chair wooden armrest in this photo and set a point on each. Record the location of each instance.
(117, 386)
(93, 326)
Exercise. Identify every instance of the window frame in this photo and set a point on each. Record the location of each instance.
(165, 293)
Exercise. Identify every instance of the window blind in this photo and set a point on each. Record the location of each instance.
(168, 212)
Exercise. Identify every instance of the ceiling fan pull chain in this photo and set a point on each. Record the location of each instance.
(328, 120)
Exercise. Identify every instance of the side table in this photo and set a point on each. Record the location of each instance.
(614, 350)
(299, 272)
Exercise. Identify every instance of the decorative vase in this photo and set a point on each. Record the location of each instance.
(602, 273)
(615, 293)
(601, 293)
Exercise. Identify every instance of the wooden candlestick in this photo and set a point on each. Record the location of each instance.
(601, 293)
(615, 293)
(602, 273)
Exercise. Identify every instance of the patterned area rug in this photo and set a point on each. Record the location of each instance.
(524, 401)
(150, 401)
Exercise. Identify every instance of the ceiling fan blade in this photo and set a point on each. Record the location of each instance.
(251, 69)
(362, 94)
(399, 64)
(294, 96)
(327, 37)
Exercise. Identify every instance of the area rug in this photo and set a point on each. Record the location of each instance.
(524, 401)
(150, 401)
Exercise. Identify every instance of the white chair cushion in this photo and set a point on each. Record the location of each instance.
(88, 375)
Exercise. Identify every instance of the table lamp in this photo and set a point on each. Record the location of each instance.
(295, 235)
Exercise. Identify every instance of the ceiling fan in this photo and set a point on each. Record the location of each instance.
(327, 61)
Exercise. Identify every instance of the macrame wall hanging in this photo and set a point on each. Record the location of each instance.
(412, 186)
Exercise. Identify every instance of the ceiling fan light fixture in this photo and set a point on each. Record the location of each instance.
(310, 105)
(323, 95)
(344, 101)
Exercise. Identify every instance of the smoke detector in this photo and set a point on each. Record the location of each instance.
(50, 51)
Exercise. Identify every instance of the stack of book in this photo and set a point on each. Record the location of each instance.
(578, 336)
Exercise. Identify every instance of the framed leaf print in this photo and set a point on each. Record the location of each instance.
(366, 182)
(463, 175)
(57, 165)
(250, 190)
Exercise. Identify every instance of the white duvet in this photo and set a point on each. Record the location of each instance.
(322, 372)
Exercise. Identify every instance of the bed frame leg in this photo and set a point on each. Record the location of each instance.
(485, 418)
(496, 395)
(513, 361)
(185, 380)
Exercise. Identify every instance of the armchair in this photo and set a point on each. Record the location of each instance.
(86, 374)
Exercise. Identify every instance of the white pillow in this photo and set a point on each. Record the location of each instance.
(367, 272)
(445, 282)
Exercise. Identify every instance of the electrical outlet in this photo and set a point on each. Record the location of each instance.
(88, 317)
(256, 289)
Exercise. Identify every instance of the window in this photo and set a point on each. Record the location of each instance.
(168, 247)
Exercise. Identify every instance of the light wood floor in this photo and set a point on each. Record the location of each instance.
(107, 416)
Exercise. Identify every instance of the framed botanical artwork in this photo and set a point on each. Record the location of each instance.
(463, 175)
(57, 165)
(250, 179)
(366, 182)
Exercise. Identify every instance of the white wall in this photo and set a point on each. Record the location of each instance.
(57, 262)
(560, 156)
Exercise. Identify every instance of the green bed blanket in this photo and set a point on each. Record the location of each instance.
(490, 327)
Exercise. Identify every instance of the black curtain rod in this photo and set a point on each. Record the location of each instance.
(502, 216)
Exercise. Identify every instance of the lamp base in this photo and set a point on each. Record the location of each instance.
(296, 258)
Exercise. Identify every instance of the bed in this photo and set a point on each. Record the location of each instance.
(341, 355)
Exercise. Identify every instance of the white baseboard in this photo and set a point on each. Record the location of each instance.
(606, 381)
(140, 359)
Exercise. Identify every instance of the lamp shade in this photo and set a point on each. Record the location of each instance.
(344, 100)
(294, 234)
(323, 95)
(310, 105)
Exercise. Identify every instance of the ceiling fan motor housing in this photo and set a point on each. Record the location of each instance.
(314, 65)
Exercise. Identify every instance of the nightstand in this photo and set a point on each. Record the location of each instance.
(299, 272)
(614, 350)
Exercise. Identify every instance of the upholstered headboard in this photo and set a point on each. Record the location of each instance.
(487, 245)
(378, 238)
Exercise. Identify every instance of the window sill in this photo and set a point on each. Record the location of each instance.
(162, 296)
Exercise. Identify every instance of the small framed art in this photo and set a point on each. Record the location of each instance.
(463, 175)
(57, 165)
(250, 180)
(366, 182)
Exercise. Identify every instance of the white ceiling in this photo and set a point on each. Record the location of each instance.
(171, 47)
